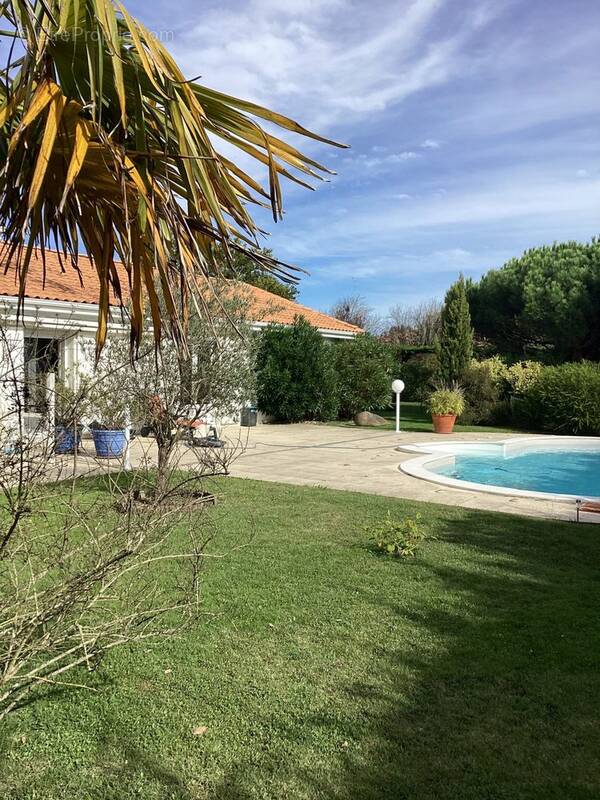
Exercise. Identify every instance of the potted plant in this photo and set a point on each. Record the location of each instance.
(70, 405)
(110, 419)
(445, 405)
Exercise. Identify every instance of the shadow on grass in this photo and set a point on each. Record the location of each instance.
(133, 767)
(506, 708)
(136, 763)
(511, 709)
(497, 699)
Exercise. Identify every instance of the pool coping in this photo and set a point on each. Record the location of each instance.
(429, 452)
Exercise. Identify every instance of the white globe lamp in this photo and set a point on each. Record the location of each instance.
(397, 388)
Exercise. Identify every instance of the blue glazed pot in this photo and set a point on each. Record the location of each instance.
(109, 444)
(64, 440)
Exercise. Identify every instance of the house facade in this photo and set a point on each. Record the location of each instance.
(54, 336)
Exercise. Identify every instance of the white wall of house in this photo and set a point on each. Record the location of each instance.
(73, 326)
(70, 327)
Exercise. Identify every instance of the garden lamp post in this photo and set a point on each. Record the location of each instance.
(397, 388)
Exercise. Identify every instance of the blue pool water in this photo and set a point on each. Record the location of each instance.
(574, 472)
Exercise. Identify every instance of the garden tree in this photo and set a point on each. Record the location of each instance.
(169, 393)
(355, 310)
(240, 266)
(295, 373)
(364, 372)
(105, 145)
(455, 344)
(414, 325)
(544, 304)
(82, 572)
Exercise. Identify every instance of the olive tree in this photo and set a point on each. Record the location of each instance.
(169, 393)
(84, 566)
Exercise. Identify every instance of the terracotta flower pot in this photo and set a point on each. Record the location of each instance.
(443, 423)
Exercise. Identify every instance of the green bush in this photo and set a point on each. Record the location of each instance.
(398, 538)
(522, 376)
(481, 385)
(565, 399)
(296, 378)
(364, 372)
(499, 372)
(418, 373)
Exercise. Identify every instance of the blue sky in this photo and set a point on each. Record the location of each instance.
(474, 128)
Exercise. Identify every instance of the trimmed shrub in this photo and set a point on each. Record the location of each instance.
(402, 352)
(296, 378)
(565, 399)
(364, 372)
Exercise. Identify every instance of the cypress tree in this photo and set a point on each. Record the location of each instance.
(455, 345)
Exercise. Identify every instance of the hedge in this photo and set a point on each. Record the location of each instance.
(565, 399)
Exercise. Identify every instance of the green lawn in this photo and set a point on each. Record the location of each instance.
(415, 418)
(323, 670)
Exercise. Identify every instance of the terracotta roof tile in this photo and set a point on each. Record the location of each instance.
(267, 307)
(63, 283)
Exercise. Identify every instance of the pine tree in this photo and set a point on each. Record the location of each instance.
(455, 345)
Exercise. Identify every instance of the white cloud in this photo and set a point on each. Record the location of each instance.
(430, 144)
(511, 199)
(356, 166)
(406, 155)
(324, 60)
(453, 254)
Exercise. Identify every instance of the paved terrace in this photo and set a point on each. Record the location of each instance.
(367, 460)
(356, 459)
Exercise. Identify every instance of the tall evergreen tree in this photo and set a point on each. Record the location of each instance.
(455, 345)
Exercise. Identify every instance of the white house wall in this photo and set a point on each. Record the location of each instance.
(11, 379)
(75, 325)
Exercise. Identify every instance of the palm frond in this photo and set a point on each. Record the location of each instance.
(103, 143)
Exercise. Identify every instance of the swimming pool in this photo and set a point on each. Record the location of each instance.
(556, 467)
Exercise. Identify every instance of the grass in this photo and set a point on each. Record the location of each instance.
(324, 670)
(414, 417)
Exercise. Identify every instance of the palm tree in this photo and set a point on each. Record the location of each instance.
(105, 146)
